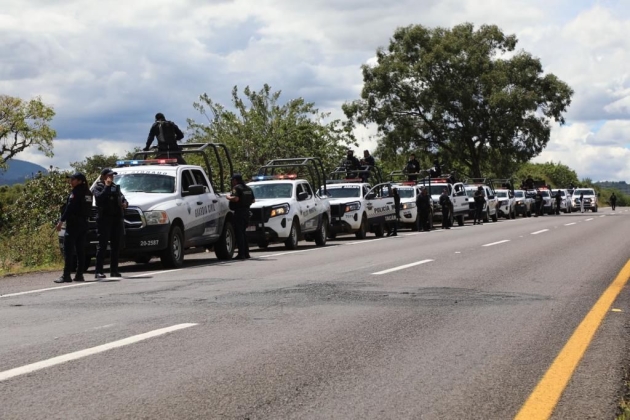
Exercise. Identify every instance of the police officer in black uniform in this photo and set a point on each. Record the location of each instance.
(75, 215)
(412, 168)
(436, 171)
(538, 202)
(167, 134)
(368, 163)
(613, 201)
(110, 226)
(558, 198)
(424, 203)
(393, 226)
(445, 202)
(480, 199)
(241, 199)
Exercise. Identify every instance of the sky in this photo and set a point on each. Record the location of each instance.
(108, 67)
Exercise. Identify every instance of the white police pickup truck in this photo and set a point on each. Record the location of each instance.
(171, 208)
(287, 208)
(348, 209)
(456, 192)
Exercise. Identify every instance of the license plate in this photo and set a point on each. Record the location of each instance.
(251, 228)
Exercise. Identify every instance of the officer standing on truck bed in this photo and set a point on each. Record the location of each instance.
(75, 215)
(110, 226)
(241, 199)
(167, 134)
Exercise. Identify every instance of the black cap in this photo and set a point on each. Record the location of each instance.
(480, 187)
(237, 177)
(108, 171)
(79, 176)
(159, 116)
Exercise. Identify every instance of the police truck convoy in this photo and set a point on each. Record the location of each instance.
(225, 222)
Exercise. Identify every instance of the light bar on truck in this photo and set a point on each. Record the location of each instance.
(136, 162)
(273, 177)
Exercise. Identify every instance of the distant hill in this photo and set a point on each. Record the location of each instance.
(618, 185)
(18, 171)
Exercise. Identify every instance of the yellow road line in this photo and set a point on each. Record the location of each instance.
(543, 399)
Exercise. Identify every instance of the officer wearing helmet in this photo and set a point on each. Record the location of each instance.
(75, 216)
(241, 198)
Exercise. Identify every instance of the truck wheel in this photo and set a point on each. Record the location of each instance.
(486, 216)
(143, 259)
(513, 213)
(224, 248)
(379, 231)
(362, 232)
(292, 241)
(460, 220)
(173, 255)
(322, 232)
(494, 216)
(595, 209)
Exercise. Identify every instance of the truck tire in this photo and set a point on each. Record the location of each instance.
(292, 241)
(495, 216)
(362, 232)
(486, 216)
(224, 248)
(379, 230)
(513, 213)
(595, 209)
(322, 232)
(173, 255)
(460, 220)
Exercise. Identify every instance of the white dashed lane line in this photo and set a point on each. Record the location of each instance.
(402, 267)
(47, 289)
(23, 370)
(571, 224)
(588, 220)
(540, 231)
(497, 243)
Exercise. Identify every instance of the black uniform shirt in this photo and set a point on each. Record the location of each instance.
(155, 131)
(245, 197)
(74, 210)
(109, 199)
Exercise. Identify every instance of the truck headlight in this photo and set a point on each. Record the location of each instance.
(352, 207)
(408, 206)
(156, 217)
(518, 203)
(280, 210)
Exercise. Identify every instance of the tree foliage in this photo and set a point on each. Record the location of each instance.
(24, 124)
(92, 166)
(555, 174)
(463, 94)
(262, 128)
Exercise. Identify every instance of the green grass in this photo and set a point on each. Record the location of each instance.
(30, 250)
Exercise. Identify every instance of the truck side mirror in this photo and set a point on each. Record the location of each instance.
(302, 196)
(194, 190)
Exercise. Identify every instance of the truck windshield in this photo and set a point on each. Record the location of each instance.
(405, 192)
(267, 191)
(585, 192)
(471, 192)
(145, 183)
(345, 191)
(519, 194)
(502, 194)
(436, 189)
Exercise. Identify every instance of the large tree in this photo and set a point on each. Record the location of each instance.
(24, 124)
(262, 128)
(462, 93)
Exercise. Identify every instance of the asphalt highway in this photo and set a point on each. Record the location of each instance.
(450, 324)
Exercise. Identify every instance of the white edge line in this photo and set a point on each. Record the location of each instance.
(47, 289)
(402, 267)
(151, 273)
(22, 370)
(497, 243)
(571, 224)
(540, 231)
(365, 241)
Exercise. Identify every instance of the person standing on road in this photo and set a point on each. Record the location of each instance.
(582, 202)
(75, 215)
(480, 200)
(613, 201)
(110, 225)
(538, 202)
(241, 199)
(423, 203)
(445, 203)
(167, 134)
(558, 201)
(393, 227)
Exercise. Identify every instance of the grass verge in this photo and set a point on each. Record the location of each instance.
(624, 405)
(30, 250)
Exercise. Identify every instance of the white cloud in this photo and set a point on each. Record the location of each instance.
(108, 67)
